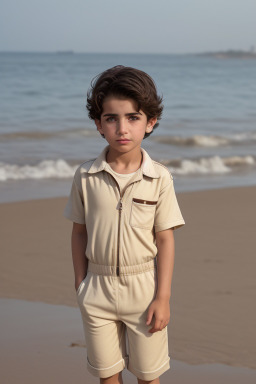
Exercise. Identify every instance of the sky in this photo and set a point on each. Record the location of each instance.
(130, 26)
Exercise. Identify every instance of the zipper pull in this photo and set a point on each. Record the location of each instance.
(120, 205)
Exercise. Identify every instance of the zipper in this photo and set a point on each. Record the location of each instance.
(119, 220)
(118, 235)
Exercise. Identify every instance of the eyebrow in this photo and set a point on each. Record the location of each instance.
(127, 114)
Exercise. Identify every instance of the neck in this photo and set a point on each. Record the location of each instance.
(127, 162)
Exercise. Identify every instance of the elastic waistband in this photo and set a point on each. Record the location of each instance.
(113, 270)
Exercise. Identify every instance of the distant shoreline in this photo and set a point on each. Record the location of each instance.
(230, 54)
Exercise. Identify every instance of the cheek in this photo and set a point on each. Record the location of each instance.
(141, 132)
(110, 128)
(110, 132)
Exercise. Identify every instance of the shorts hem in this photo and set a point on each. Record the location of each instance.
(109, 371)
(150, 375)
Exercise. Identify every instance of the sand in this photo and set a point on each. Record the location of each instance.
(213, 312)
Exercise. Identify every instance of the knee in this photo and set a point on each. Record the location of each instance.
(155, 381)
(114, 379)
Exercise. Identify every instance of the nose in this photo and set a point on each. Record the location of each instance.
(121, 127)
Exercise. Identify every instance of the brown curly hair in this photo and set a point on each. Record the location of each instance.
(124, 82)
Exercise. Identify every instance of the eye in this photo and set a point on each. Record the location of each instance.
(111, 119)
(133, 118)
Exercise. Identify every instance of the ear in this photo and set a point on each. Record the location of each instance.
(150, 124)
(98, 125)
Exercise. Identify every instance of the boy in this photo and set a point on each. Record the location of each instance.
(124, 210)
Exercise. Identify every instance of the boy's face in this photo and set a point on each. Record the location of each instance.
(122, 125)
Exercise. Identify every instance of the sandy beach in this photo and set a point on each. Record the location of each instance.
(213, 313)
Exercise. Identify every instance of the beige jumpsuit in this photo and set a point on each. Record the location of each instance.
(121, 280)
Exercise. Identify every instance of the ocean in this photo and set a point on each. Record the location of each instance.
(206, 137)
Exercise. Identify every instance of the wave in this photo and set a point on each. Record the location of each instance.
(44, 170)
(242, 138)
(40, 135)
(210, 165)
(60, 169)
(208, 141)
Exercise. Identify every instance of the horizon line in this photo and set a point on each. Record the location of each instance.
(71, 51)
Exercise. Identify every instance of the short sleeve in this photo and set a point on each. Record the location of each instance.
(74, 209)
(168, 214)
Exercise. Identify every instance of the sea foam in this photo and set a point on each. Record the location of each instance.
(60, 169)
(208, 140)
(210, 165)
(45, 169)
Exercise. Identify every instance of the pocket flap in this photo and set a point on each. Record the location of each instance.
(146, 202)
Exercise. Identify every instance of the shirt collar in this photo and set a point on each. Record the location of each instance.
(147, 165)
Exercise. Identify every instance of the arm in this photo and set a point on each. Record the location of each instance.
(78, 245)
(160, 307)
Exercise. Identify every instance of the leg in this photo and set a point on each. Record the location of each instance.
(155, 381)
(104, 333)
(148, 353)
(115, 379)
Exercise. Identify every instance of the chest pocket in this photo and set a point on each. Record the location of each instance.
(142, 213)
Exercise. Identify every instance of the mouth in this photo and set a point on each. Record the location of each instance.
(123, 141)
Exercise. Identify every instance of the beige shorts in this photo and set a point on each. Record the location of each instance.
(114, 312)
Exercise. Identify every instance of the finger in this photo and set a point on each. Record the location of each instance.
(152, 329)
(155, 329)
(149, 317)
(162, 325)
(157, 325)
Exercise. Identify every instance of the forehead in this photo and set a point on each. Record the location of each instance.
(119, 106)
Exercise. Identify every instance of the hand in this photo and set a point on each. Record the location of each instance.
(160, 309)
(77, 283)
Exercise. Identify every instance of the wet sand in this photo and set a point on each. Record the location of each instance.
(213, 313)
